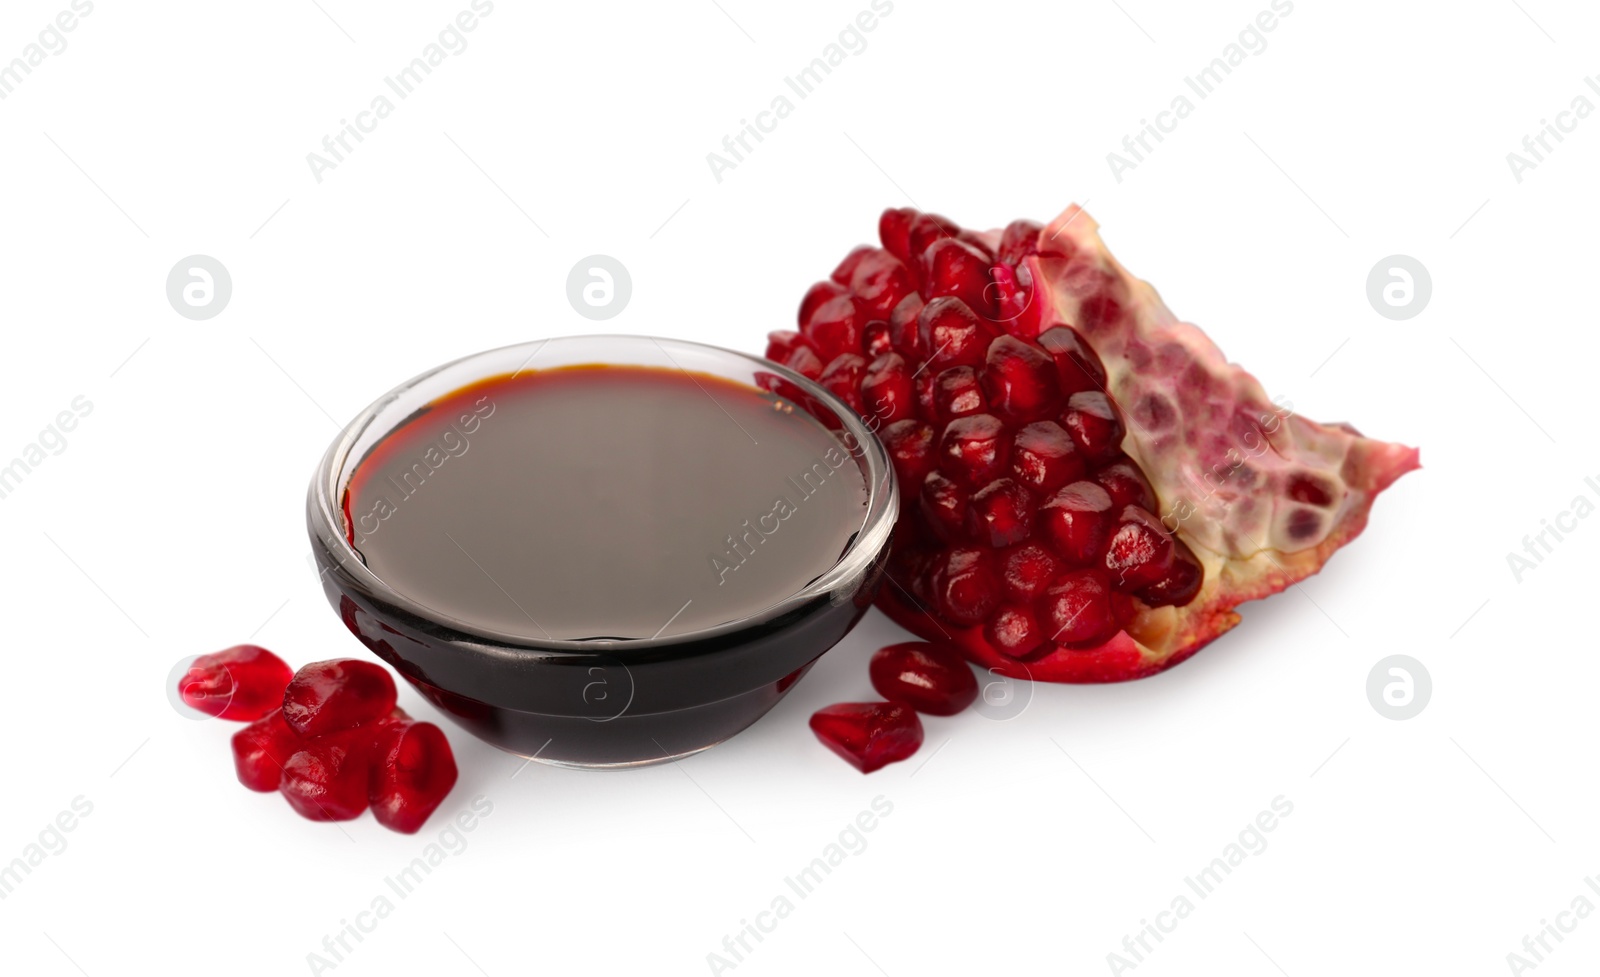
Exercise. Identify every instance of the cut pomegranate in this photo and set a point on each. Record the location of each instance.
(929, 678)
(261, 749)
(413, 770)
(327, 778)
(869, 735)
(241, 683)
(1089, 488)
(325, 697)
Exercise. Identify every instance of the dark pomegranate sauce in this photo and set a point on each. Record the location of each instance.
(604, 502)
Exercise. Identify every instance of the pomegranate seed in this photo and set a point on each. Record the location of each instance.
(957, 392)
(926, 229)
(834, 328)
(242, 683)
(412, 771)
(326, 779)
(1077, 519)
(894, 230)
(1078, 367)
(1139, 553)
(262, 748)
(1094, 425)
(804, 361)
(324, 697)
(975, 450)
(952, 334)
(1126, 485)
(944, 504)
(954, 268)
(1181, 582)
(880, 281)
(910, 446)
(928, 678)
(975, 241)
(877, 338)
(842, 378)
(782, 343)
(1026, 571)
(1001, 513)
(846, 268)
(1044, 457)
(1020, 379)
(818, 295)
(1014, 631)
(1077, 609)
(965, 588)
(869, 735)
(886, 392)
(1013, 300)
(1018, 240)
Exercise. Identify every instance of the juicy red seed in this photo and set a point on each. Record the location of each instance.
(1001, 513)
(910, 446)
(847, 267)
(1044, 457)
(869, 735)
(1092, 421)
(1077, 365)
(1181, 582)
(886, 392)
(412, 772)
(904, 332)
(261, 749)
(1014, 631)
(953, 267)
(1020, 379)
(975, 450)
(957, 392)
(783, 342)
(327, 778)
(894, 230)
(1013, 299)
(923, 383)
(965, 587)
(944, 505)
(1077, 519)
(816, 296)
(877, 338)
(834, 328)
(952, 334)
(926, 229)
(1126, 485)
(1026, 571)
(242, 683)
(1078, 610)
(804, 361)
(324, 697)
(1139, 553)
(842, 378)
(928, 678)
(880, 281)
(975, 241)
(1018, 240)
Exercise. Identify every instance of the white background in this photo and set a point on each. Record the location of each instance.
(172, 523)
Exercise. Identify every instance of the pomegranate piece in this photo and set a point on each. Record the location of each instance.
(929, 678)
(326, 779)
(241, 683)
(869, 735)
(343, 693)
(261, 749)
(412, 770)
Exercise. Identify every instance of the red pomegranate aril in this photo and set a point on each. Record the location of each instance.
(927, 677)
(894, 230)
(327, 778)
(1078, 609)
(952, 334)
(1181, 582)
(242, 683)
(976, 242)
(1019, 240)
(1139, 553)
(869, 735)
(904, 331)
(261, 749)
(1020, 379)
(845, 270)
(834, 328)
(782, 343)
(944, 505)
(954, 268)
(1000, 514)
(1014, 631)
(924, 384)
(1077, 520)
(1025, 572)
(877, 339)
(910, 445)
(886, 391)
(880, 282)
(957, 392)
(1095, 426)
(817, 296)
(1126, 485)
(926, 229)
(975, 450)
(1013, 300)
(328, 696)
(1044, 457)
(842, 378)
(1077, 365)
(412, 771)
(965, 587)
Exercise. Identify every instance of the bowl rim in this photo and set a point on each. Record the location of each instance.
(325, 516)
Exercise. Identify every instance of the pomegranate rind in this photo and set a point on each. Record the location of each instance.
(1261, 495)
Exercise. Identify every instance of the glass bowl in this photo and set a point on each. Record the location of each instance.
(602, 702)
